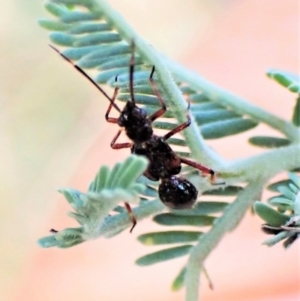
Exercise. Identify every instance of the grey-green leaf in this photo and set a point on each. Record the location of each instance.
(215, 115)
(227, 127)
(104, 76)
(178, 282)
(269, 142)
(163, 255)
(73, 196)
(100, 180)
(269, 215)
(150, 192)
(47, 241)
(169, 237)
(295, 178)
(287, 192)
(276, 238)
(296, 113)
(274, 186)
(281, 201)
(97, 38)
(297, 204)
(289, 80)
(136, 167)
(79, 52)
(86, 3)
(199, 98)
(204, 208)
(140, 99)
(53, 25)
(63, 239)
(79, 16)
(89, 28)
(56, 10)
(170, 219)
(229, 191)
(62, 39)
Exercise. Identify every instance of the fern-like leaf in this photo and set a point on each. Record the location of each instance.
(95, 37)
(92, 209)
(283, 223)
(94, 41)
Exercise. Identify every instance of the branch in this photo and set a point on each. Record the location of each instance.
(239, 105)
(209, 241)
(265, 165)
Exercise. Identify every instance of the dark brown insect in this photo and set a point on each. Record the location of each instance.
(164, 164)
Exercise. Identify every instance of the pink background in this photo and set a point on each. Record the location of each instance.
(53, 134)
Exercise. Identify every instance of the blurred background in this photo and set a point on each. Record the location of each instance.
(53, 134)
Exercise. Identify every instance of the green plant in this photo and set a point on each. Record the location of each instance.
(283, 223)
(96, 37)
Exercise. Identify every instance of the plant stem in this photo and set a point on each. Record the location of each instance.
(227, 99)
(209, 241)
(266, 165)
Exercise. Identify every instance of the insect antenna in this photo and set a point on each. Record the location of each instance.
(131, 72)
(88, 77)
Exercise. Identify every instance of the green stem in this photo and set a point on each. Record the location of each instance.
(209, 241)
(239, 105)
(264, 165)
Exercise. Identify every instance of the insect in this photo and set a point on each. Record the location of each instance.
(164, 164)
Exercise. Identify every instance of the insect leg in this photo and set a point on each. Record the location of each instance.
(178, 129)
(163, 109)
(115, 145)
(112, 103)
(202, 168)
(131, 215)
